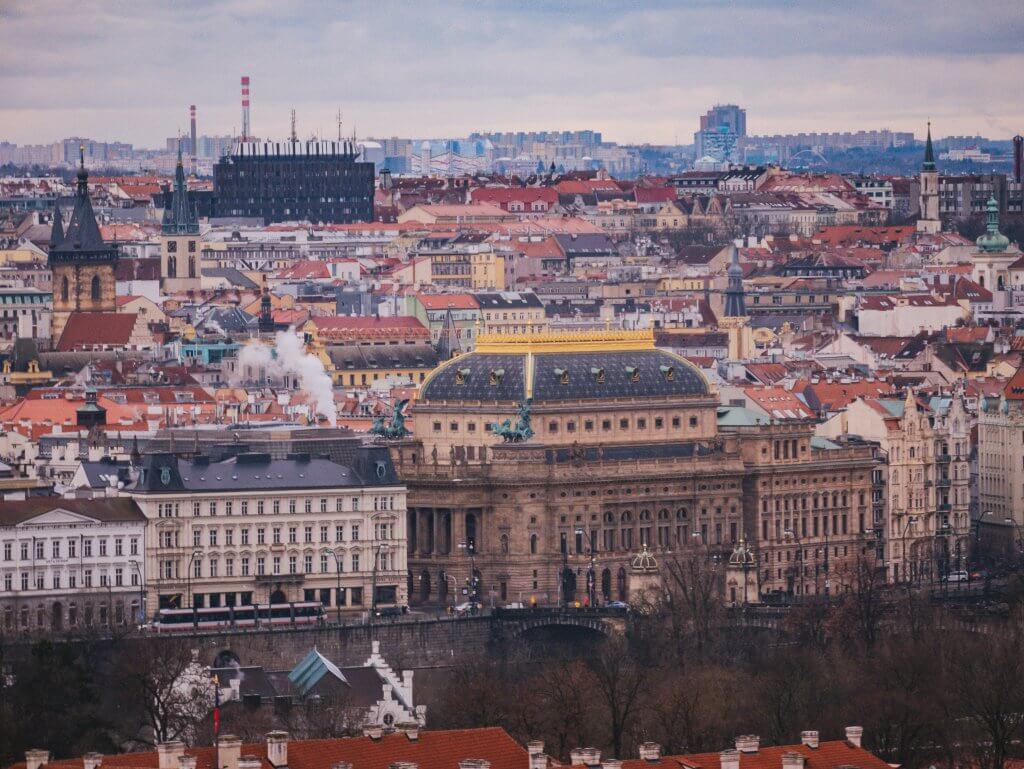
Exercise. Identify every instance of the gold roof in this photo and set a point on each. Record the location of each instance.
(566, 341)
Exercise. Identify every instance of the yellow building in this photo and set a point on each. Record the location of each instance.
(487, 270)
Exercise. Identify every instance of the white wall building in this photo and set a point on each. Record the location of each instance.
(69, 563)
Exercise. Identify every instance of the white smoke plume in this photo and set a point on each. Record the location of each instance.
(288, 358)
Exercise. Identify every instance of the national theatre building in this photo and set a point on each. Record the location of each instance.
(544, 463)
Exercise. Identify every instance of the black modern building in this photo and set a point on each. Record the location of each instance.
(316, 181)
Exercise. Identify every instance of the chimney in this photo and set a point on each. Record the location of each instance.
(591, 756)
(403, 765)
(410, 729)
(474, 763)
(650, 751)
(538, 759)
(729, 759)
(250, 762)
(229, 750)
(92, 760)
(277, 748)
(576, 756)
(168, 754)
(373, 731)
(748, 743)
(187, 762)
(792, 760)
(611, 763)
(36, 758)
(810, 739)
(341, 765)
(245, 108)
(854, 734)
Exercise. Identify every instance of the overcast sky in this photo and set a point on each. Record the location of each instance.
(637, 71)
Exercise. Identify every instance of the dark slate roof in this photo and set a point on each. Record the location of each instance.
(233, 276)
(82, 238)
(251, 472)
(99, 474)
(228, 320)
(105, 509)
(349, 357)
(482, 378)
(507, 300)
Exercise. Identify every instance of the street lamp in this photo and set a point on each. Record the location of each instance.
(142, 596)
(383, 547)
(337, 556)
(188, 575)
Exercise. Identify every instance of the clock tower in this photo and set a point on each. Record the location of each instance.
(81, 263)
(179, 240)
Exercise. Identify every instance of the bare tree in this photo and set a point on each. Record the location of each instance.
(619, 683)
(692, 596)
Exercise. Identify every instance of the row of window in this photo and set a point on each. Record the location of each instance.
(588, 425)
(382, 530)
(38, 580)
(90, 615)
(274, 506)
(69, 548)
(328, 562)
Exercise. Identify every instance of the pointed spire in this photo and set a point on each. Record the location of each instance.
(83, 175)
(929, 152)
(57, 228)
(735, 306)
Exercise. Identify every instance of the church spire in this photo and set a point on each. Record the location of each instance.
(735, 306)
(57, 228)
(180, 218)
(929, 152)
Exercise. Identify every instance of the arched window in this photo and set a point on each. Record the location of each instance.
(606, 584)
(533, 544)
(65, 289)
(504, 544)
(172, 266)
(191, 266)
(95, 288)
(623, 589)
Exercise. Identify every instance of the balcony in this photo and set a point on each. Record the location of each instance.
(943, 483)
(942, 457)
(945, 507)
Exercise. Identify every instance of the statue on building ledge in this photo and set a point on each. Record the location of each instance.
(519, 432)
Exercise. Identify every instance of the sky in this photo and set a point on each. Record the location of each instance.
(637, 71)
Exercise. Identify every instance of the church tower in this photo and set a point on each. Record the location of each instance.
(928, 220)
(734, 319)
(179, 239)
(81, 263)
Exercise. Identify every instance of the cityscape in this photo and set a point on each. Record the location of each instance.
(537, 386)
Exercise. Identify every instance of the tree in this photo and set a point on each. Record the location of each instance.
(166, 689)
(619, 682)
(692, 596)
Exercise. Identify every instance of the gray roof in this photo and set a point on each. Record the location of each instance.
(230, 274)
(254, 472)
(107, 509)
(348, 357)
(565, 376)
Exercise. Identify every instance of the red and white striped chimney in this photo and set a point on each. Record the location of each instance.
(245, 107)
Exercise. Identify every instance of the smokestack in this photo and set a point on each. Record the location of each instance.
(1018, 158)
(245, 107)
(192, 150)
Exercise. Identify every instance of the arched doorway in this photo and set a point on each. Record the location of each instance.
(568, 585)
(57, 616)
(425, 586)
(606, 584)
(471, 532)
(442, 587)
(278, 596)
(623, 588)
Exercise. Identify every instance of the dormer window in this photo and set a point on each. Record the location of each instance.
(669, 372)
(496, 376)
(461, 375)
(633, 373)
(598, 374)
(563, 375)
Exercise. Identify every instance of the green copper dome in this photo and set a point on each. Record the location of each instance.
(993, 241)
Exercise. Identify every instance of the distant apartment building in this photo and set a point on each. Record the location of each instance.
(315, 181)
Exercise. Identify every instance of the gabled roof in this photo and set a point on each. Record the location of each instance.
(311, 669)
(107, 509)
(89, 330)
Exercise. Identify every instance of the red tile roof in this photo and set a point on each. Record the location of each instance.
(828, 755)
(1014, 390)
(431, 750)
(91, 330)
(444, 301)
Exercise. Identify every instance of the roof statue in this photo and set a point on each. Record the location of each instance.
(519, 432)
(993, 241)
(395, 427)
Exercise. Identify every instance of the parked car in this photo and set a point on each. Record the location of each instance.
(616, 605)
(468, 607)
(391, 611)
(957, 576)
(515, 605)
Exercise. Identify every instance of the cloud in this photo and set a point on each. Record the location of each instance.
(128, 69)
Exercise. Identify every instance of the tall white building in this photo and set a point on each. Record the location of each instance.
(1001, 453)
(70, 564)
